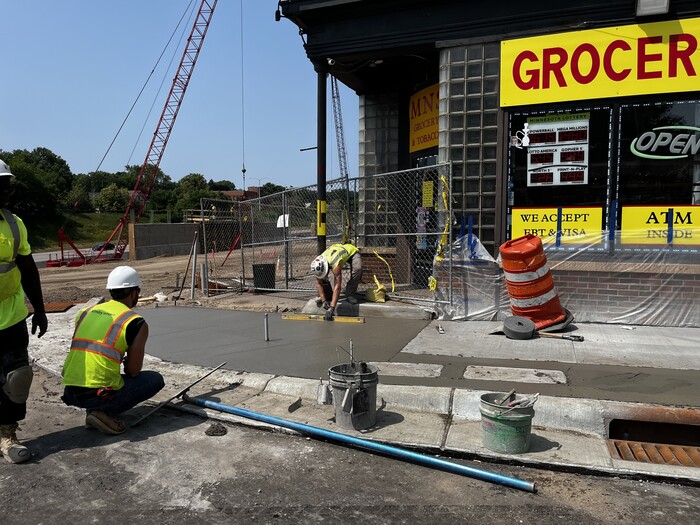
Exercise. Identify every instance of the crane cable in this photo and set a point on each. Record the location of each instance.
(143, 88)
(148, 79)
(243, 107)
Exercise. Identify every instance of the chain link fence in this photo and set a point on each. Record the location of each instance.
(398, 220)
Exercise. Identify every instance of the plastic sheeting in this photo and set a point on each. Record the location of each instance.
(603, 281)
(469, 283)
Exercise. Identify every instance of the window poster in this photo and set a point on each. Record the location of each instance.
(661, 225)
(558, 150)
(579, 224)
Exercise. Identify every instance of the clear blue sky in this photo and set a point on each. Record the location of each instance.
(73, 68)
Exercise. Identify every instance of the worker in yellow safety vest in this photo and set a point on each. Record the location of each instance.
(18, 276)
(107, 336)
(332, 261)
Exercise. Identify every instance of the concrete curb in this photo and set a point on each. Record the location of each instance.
(443, 420)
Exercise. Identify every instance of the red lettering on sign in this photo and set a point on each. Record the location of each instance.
(643, 58)
(576, 63)
(533, 80)
(553, 60)
(617, 76)
(676, 55)
(532, 71)
(423, 105)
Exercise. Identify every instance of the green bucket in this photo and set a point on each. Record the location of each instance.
(505, 430)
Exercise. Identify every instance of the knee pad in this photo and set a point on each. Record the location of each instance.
(17, 384)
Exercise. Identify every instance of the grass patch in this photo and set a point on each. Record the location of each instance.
(84, 229)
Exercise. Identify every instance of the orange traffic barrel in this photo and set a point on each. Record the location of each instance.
(529, 282)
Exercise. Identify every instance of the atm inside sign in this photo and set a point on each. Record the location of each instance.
(656, 225)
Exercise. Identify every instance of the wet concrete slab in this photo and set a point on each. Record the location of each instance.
(518, 375)
(295, 348)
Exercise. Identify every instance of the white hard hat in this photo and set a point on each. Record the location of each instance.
(319, 267)
(5, 170)
(123, 277)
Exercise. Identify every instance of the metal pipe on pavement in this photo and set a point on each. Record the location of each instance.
(389, 450)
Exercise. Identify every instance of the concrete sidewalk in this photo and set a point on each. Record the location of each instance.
(430, 383)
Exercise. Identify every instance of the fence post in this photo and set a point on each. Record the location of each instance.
(242, 244)
(204, 244)
(285, 240)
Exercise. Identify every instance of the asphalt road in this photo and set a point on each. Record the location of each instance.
(168, 470)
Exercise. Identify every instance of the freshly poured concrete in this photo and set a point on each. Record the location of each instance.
(662, 368)
(295, 348)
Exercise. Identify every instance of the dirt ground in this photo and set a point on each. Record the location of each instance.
(159, 275)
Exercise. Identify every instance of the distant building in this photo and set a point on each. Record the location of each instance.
(253, 192)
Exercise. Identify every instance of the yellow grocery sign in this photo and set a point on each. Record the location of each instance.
(423, 118)
(650, 225)
(661, 57)
(578, 224)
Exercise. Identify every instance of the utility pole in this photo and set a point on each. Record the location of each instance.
(322, 73)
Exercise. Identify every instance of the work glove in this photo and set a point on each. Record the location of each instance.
(326, 305)
(39, 321)
(328, 316)
(319, 303)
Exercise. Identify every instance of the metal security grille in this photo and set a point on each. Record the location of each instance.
(399, 221)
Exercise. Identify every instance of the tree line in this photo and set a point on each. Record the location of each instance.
(46, 187)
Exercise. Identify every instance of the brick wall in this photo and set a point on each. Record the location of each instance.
(634, 298)
(373, 265)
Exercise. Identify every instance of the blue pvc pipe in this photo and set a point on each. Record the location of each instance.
(388, 450)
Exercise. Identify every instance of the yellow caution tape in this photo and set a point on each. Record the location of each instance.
(389, 267)
(432, 283)
(445, 234)
(378, 295)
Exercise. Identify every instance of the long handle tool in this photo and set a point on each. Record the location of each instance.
(570, 337)
(179, 394)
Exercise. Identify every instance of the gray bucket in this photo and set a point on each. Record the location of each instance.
(354, 388)
(505, 430)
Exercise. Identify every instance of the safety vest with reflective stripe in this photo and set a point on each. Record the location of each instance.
(10, 277)
(98, 346)
(338, 254)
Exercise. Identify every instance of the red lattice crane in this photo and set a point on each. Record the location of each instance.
(150, 166)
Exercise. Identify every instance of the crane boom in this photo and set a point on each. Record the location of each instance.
(339, 134)
(342, 154)
(149, 169)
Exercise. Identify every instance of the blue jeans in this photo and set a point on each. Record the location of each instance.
(135, 390)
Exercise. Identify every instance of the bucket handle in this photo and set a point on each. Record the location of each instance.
(530, 400)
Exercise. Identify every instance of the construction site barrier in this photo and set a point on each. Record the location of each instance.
(529, 282)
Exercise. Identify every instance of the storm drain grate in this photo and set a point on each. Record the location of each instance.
(676, 455)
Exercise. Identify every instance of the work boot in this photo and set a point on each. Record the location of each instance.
(104, 423)
(10, 446)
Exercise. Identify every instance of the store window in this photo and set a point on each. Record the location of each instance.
(659, 153)
(659, 176)
(572, 181)
(559, 173)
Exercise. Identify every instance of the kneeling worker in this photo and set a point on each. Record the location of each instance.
(332, 261)
(107, 335)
